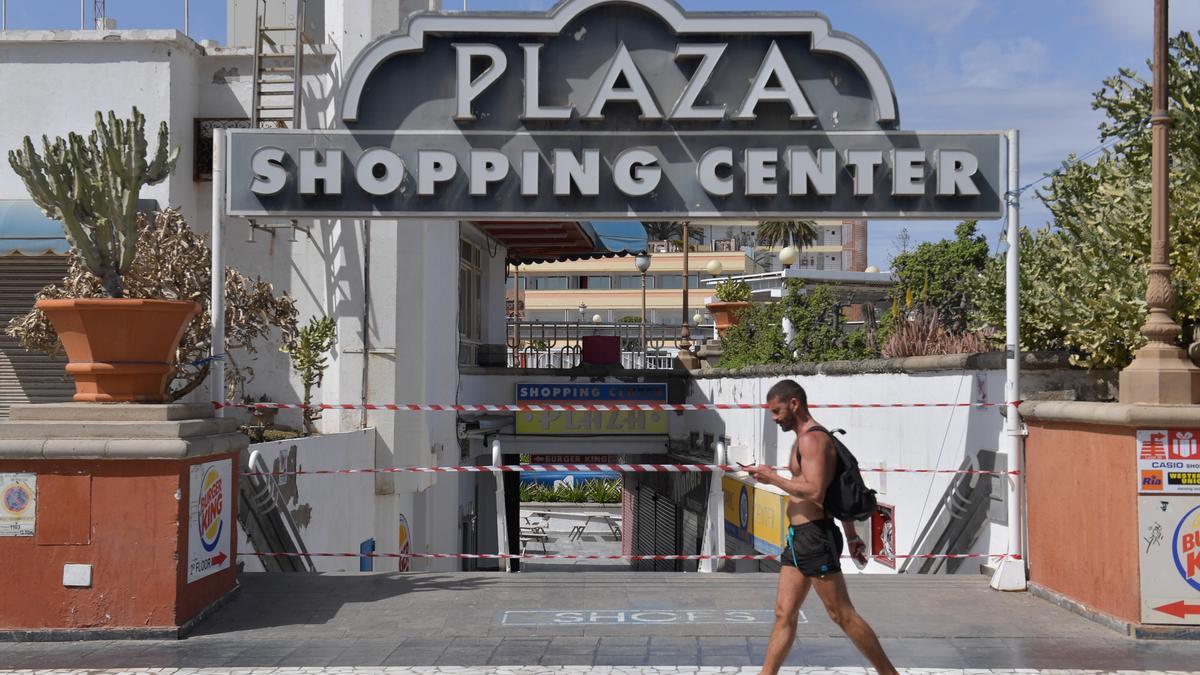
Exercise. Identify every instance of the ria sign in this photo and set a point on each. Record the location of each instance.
(603, 108)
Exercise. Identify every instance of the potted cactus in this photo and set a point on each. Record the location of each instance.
(119, 348)
(733, 296)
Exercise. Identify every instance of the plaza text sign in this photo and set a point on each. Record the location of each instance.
(613, 109)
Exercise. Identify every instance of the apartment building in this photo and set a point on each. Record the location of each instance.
(610, 288)
(841, 246)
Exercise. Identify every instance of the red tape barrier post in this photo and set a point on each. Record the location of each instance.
(615, 468)
(619, 468)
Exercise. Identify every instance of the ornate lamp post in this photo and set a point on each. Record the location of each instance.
(642, 261)
(1161, 372)
(787, 256)
(686, 357)
(684, 332)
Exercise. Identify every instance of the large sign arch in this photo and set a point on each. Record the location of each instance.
(614, 109)
(627, 108)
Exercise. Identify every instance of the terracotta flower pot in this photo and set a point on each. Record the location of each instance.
(120, 349)
(726, 314)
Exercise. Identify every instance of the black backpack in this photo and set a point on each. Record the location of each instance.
(847, 497)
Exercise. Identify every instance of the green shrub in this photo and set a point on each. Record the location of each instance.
(592, 491)
(820, 333)
(732, 290)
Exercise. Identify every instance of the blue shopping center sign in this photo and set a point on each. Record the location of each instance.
(607, 392)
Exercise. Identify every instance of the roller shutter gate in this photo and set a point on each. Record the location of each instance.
(28, 377)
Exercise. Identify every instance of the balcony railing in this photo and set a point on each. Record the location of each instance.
(560, 344)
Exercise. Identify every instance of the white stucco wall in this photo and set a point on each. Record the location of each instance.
(334, 513)
(882, 438)
(90, 71)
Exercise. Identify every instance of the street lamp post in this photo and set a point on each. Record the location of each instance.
(1161, 372)
(787, 256)
(685, 332)
(642, 261)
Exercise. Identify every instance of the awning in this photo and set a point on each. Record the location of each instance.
(531, 242)
(26, 230)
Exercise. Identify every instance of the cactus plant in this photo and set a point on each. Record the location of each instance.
(92, 185)
(733, 290)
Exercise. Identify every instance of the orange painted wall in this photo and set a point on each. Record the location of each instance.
(1083, 514)
(124, 519)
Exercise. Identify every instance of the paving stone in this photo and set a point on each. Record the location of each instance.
(444, 620)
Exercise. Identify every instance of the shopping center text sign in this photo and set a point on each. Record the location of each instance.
(612, 109)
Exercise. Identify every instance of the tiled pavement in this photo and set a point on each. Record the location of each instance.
(597, 539)
(608, 622)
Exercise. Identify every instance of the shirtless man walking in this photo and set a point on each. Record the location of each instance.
(814, 546)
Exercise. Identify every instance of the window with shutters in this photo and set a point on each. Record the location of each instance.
(470, 301)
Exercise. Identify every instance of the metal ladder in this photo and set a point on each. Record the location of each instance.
(278, 75)
(278, 85)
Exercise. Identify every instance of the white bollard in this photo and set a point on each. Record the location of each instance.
(501, 518)
(714, 534)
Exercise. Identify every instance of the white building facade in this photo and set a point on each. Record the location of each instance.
(391, 286)
(420, 303)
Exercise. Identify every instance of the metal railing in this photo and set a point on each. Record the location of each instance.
(559, 344)
(264, 516)
(565, 360)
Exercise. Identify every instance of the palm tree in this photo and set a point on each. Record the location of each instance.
(800, 233)
(765, 259)
(671, 230)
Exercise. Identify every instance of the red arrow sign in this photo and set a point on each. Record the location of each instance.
(221, 557)
(1179, 609)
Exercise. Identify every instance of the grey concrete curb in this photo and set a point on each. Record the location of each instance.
(1106, 620)
(89, 634)
(913, 364)
(1140, 631)
(1117, 414)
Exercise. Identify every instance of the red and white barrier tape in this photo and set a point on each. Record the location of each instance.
(556, 556)
(616, 468)
(587, 407)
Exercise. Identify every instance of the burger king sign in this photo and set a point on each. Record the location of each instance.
(1169, 559)
(209, 526)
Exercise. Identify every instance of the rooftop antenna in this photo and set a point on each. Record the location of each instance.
(99, 14)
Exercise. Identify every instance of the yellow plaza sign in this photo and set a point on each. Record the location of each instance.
(592, 422)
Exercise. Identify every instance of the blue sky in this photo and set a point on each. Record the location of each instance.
(955, 64)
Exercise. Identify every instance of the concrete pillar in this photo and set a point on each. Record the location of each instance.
(119, 519)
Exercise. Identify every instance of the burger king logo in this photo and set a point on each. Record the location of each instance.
(212, 505)
(1186, 548)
